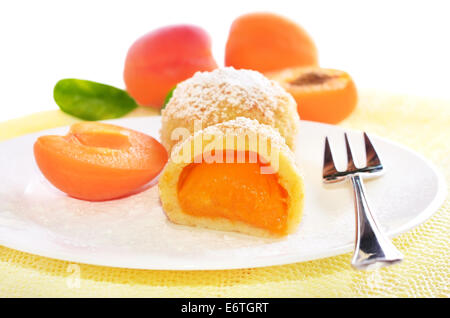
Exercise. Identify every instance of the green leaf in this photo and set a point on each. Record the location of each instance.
(168, 97)
(91, 100)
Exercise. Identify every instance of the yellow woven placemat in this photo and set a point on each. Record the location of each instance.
(422, 124)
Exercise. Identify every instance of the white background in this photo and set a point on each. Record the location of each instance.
(398, 46)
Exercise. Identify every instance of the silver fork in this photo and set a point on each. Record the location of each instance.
(372, 248)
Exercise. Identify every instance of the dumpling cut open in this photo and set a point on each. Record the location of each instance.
(237, 176)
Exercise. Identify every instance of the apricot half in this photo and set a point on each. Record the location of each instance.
(323, 95)
(97, 161)
(268, 42)
(159, 60)
(234, 191)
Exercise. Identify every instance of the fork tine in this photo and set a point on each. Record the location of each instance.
(350, 163)
(371, 155)
(328, 163)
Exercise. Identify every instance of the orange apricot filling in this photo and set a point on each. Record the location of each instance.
(97, 161)
(323, 95)
(234, 191)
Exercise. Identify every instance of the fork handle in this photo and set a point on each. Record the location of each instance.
(373, 249)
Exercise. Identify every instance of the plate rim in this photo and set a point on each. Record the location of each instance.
(423, 216)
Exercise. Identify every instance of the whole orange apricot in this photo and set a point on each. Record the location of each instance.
(268, 42)
(159, 60)
(97, 161)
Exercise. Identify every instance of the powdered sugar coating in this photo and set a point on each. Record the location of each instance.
(244, 126)
(227, 93)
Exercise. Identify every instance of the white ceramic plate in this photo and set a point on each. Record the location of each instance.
(133, 232)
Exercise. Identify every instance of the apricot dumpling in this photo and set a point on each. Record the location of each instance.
(224, 94)
(236, 176)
